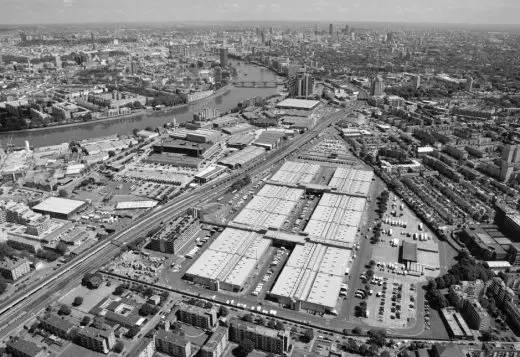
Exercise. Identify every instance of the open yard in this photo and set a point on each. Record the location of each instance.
(90, 297)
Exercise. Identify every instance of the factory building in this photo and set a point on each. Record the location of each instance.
(242, 157)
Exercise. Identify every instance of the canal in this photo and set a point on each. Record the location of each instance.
(122, 126)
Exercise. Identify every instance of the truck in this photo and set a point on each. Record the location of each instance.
(420, 226)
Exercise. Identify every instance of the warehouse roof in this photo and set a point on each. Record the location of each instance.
(58, 205)
(298, 104)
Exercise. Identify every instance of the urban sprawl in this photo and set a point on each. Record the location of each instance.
(368, 206)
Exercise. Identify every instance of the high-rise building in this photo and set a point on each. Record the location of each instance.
(23, 36)
(377, 88)
(223, 57)
(389, 37)
(331, 29)
(353, 36)
(301, 85)
(263, 37)
(475, 315)
(469, 84)
(57, 61)
(511, 153)
(134, 67)
(416, 81)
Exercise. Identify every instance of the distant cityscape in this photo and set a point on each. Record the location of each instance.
(259, 189)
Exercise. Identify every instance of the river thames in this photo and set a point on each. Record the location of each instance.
(124, 126)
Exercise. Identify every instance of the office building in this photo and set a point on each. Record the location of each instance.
(331, 29)
(197, 316)
(223, 57)
(377, 87)
(99, 340)
(217, 343)
(265, 339)
(172, 344)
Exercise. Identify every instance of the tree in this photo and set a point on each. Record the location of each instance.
(111, 153)
(61, 248)
(119, 290)
(63, 193)
(223, 311)
(309, 334)
(133, 331)
(260, 321)
(85, 321)
(370, 273)
(248, 317)
(357, 330)
(436, 299)
(64, 310)
(3, 286)
(246, 347)
(271, 324)
(119, 347)
(377, 337)
(78, 300)
(279, 326)
(146, 310)
(99, 322)
(135, 131)
(372, 263)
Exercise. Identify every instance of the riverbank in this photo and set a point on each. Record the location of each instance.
(140, 112)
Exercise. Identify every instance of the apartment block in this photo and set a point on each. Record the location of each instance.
(172, 344)
(197, 316)
(217, 343)
(265, 339)
(96, 339)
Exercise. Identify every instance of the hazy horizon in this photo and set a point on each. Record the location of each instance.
(470, 12)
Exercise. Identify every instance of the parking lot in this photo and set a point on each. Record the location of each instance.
(392, 302)
(400, 224)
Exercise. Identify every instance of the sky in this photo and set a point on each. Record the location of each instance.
(90, 11)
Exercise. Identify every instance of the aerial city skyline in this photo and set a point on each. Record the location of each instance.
(500, 12)
(275, 179)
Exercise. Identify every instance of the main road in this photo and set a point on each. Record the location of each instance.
(18, 310)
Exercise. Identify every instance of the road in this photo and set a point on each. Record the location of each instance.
(29, 303)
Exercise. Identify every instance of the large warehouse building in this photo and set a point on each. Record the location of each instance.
(58, 207)
(229, 260)
(312, 277)
(351, 181)
(294, 173)
(269, 208)
(335, 220)
(242, 157)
